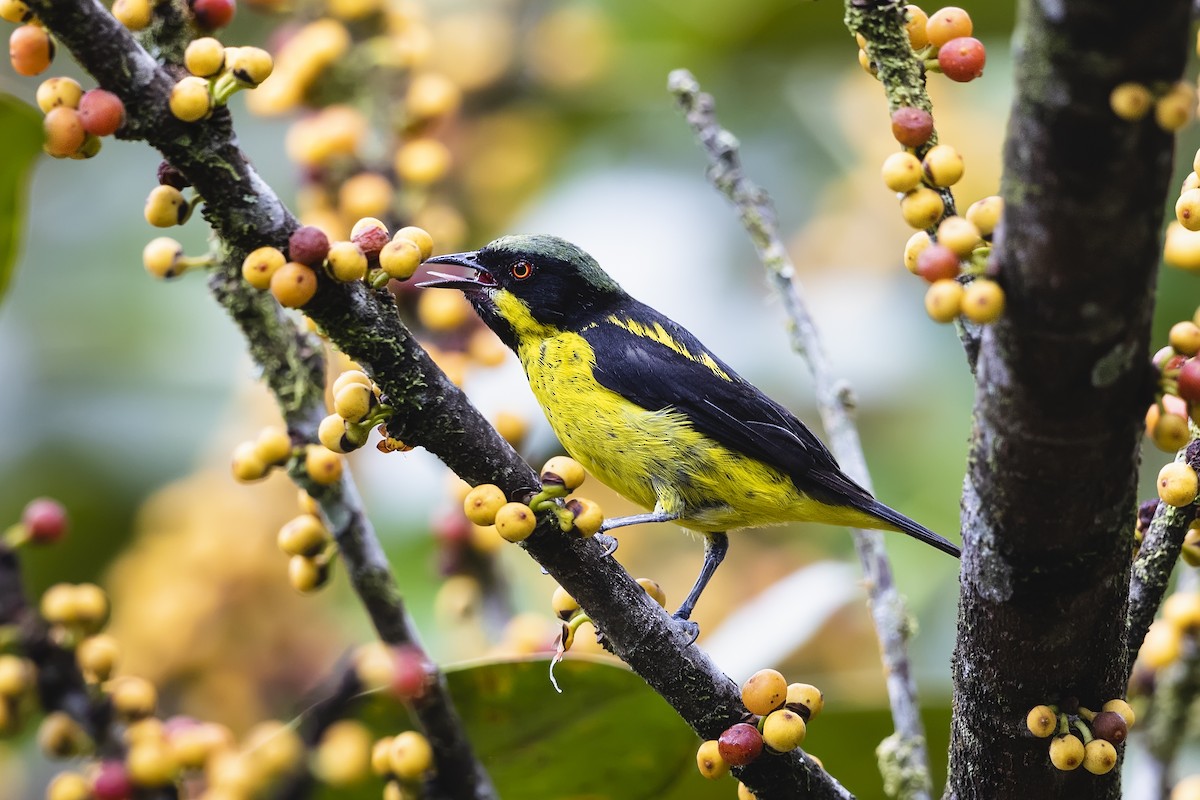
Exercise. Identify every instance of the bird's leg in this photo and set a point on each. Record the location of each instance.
(637, 519)
(716, 545)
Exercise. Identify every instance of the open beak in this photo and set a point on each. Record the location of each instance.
(474, 283)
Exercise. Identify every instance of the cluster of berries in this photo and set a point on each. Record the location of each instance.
(779, 716)
(1099, 733)
(309, 547)
(217, 73)
(1174, 631)
(942, 40)
(487, 504)
(253, 460)
(1181, 247)
(1168, 420)
(567, 609)
(1174, 104)
(357, 409)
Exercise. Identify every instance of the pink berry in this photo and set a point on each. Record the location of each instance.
(937, 262)
(962, 59)
(45, 519)
(213, 14)
(101, 112)
(112, 782)
(409, 675)
(1189, 380)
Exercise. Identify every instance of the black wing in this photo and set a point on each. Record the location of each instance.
(657, 364)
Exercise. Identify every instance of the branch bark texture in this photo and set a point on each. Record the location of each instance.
(1048, 501)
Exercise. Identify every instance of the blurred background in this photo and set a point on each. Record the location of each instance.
(123, 396)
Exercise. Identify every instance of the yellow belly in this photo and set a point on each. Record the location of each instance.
(656, 458)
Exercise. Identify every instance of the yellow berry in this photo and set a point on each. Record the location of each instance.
(367, 194)
(64, 131)
(483, 503)
(381, 752)
(958, 234)
(247, 464)
(348, 377)
(165, 207)
(765, 691)
(422, 161)
(332, 434)
(1041, 721)
(150, 764)
(1181, 247)
(58, 605)
(986, 213)
(443, 309)
(410, 756)
(346, 262)
(943, 165)
(418, 236)
(1130, 101)
(69, 786)
(1170, 432)
(805, 695)
(511, 427)
(162, 256)
(91, 605)
(915, 21)
(191, 99)
(260, 265)
(306, 574)
(744, 792)
(133, 14)
(304, 535)
(204, 57)
(983, 301)
(948, 23)
(15, 11)
(133, 697)
(352, 403)
(709, 761)
(902, 172)
(1185, 336)
(249, 65)
(97, 657)
(1161, 647)
(293, 285)
(55, 92)
(654, 589)
(322, 465)
(1123, 708)
(1066, 752)
(16, 676)
(565, 471)
(515, 521)
(274, 446)
(783, 730)
(1187, 209)
(1182, 609)
(588, 516)
(400, 258)
(916, 244)
(1099, 757)
(343, 758)
(1175, 108)
(59, 736)
(1177, 485)
(922, 207)
(563, 604)
(943, 300)
(431, 95)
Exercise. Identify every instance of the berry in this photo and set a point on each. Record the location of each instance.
(740, 744)
(515, 522)
(1177, 484)
(946, 24)
(1123, 708)
(58, 604)
(430, 96)
(1066, 752)
(191, 99)
(982, 301)
(346, 262)
(1099, 757)
(247, 465)
(112, 782)
(1190, 551)
(744, 792)
(922, 207)
(308, 245)
(1188, 380)
(913, 248)
(400, 258)
(422, 162)
(587, 516)
(352, 403)
(323, 466)
(563, 471)
(653, 589)
(304, 535)
(483, 502)
(101, 112)
(409, 673)
(912, 127)
(901, 172)
(916, 22)
(1182, 247)
(332, 434)
(165, 206)
(15, 11)
(16, 676)
(783, 730)
(410, 756)
(764, 691)
(343, 757)
(710, 762)
(805, 699)
(68, 786)
(45, 520)
(91, 605)
(1169, 431)
(293, 285)
(162, 257)
(419, 236)
(869, 66)
(1187, 209)
(260, 265)
(1110, 726)
(150, 764)
(959, 234)
(1182, 609)
(249, 65)
(133, 697)
(133, 14)
(204, 57)
(1185, 336)
(306, 575)
(962, 59)
(213, 14)
(273, 444)
(443, 310)
(985, 214)
(1161, 647)
(563, 604)
(64, 131)
(936, 263)
(943, 300)
(1174, 109)
(380, 757)
(1041, 721)
(1130, 101)
(370, 238)
(943, 165)
(30, 49)
(54, 92)
(367, 194)
(97, 657)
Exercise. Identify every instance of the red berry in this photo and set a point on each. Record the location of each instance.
(213, 14)
(371, 240)
(409, 675)
(962, 59)
(112, 782)
(912, 127)
(740, 744)
(937, 262)
(45, 519)
(1110, 726)
(1189, 380)
(308, 245)
(452, 529)
(101, 112)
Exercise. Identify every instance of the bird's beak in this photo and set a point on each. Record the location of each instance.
(472, 284)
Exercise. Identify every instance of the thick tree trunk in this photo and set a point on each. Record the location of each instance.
(1049, 503)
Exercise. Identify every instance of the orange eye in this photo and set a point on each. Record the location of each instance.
(521, 270)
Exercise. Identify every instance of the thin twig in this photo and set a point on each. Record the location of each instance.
(903, 760)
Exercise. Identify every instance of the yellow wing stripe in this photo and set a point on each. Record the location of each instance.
(657, 333)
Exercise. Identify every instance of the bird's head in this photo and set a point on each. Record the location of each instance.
(524, 283)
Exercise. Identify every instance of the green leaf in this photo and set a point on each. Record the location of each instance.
(22, 128)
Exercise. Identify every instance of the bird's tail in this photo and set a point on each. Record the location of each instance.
(913, 529)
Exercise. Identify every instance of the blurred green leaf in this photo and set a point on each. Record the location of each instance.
(23, 142)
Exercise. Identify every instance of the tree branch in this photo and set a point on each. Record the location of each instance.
(903, 762)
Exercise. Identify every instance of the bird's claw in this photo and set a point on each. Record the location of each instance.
(610, 543)
(692, 629)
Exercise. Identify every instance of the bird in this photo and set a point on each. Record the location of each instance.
(650, 411)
